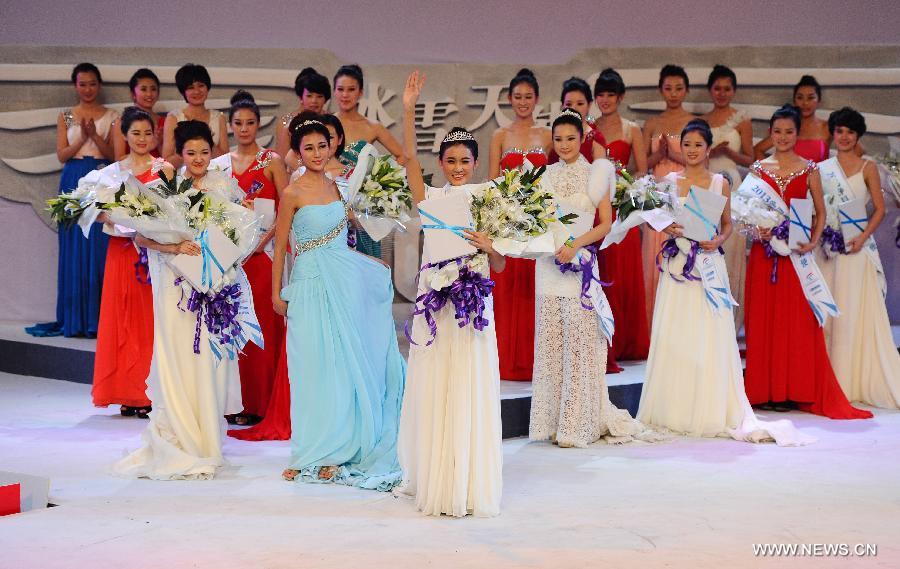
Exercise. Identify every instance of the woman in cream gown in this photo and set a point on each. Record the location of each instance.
(860, 344)
(190, 391)
(694, 382)
(450, 432)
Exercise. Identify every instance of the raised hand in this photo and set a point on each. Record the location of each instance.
(413, 89)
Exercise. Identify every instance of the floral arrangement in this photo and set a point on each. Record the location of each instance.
(750, 214)
(642, 194)
(460, 282)
(385, 191)
(514, 206)
(832, 239)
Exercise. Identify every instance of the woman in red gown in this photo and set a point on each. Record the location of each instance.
(576, 95)
(511, 145)
(144, 89)
(814, 138)
(786, 356)
(261, 174)
(125, 330)
(621, 264)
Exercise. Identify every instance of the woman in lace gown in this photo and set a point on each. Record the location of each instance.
(313, 92)
(191, 392)
(661, 138)
(787, 362)
(359, 131)
(513, 294)
(732, 146)
(450, 431)
(814, 139)
(695, 382)
(570, 402)
(82, 145)
(576, 95)
(621, 264)
(860, 344)
(346, 371)
(193, 83)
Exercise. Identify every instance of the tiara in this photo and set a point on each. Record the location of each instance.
(458, 136)
(570, 112)
(307, 123)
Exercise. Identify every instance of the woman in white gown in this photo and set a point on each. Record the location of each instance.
(570, 403)
(694, 382)
(450, 444)
(191, 392)
(732, 146)
(859, 341)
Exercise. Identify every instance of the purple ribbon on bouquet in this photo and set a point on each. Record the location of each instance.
(780, 231)
(351, 237)
(143, 263)
(833, 239)
(585, 266)
(670, 250)
(467, 293)
(218, 311)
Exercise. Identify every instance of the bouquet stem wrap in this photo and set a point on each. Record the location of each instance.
(467, 294)
(218, 311)
(142, 264)
(585, 266)
(780, 231)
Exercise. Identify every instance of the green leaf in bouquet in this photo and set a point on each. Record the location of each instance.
(568, 219)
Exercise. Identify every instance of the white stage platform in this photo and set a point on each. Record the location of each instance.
(687, 503)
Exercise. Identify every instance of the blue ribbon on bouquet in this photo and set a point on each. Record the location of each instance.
(712, 228)
(208, 257)
(795, 220)
(849, 220)
(438, 224)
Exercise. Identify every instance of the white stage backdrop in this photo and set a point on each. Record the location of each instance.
(34, 87)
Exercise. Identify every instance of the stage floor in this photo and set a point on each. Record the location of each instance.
(687, 503)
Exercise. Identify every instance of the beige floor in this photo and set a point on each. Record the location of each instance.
(688, 503)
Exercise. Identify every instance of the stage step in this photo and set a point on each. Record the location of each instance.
(72, 359)
(22, 492)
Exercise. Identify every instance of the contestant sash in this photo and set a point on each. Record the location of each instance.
(814, 287)
(835, 182)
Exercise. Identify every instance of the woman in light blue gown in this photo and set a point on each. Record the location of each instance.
(346, 371)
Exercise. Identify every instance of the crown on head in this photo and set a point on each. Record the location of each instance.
(459, 136)
(307, 123)
(570, 112)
